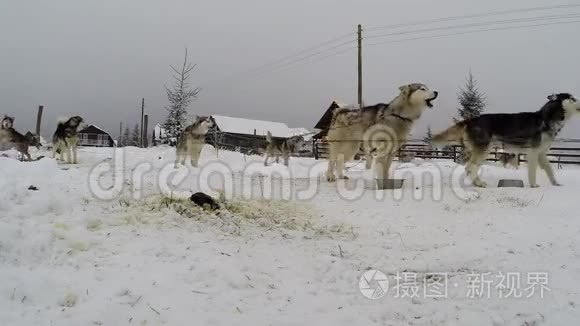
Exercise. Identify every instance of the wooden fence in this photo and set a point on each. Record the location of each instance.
(559, 155)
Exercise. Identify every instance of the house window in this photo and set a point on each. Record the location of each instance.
(102, 140)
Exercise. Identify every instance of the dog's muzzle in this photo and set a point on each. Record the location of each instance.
(428, 101)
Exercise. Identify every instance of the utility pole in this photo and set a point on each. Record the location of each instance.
(360, 100)
(120, 141)
(39, 119)
(145, 126)
(142, 117)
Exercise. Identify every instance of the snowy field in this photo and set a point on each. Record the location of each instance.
(112, 241)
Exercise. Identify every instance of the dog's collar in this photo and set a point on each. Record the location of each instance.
(401, 117)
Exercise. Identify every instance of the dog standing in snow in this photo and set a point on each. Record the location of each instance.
(191, 140)
(282, 147)
(65, 139)
(6, 124)
(380, 128)
(531, 133)
(10, 138)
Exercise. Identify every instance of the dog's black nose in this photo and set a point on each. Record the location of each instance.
(436, 93)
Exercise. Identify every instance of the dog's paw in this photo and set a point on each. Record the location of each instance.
(330, 178)
(344, 177)
(480, 184)
(557, 184)
(534, 186)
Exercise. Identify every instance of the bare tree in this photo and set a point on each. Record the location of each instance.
(179, 96)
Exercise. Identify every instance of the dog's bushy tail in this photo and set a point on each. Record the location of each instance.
(269, 137)
(454, 134)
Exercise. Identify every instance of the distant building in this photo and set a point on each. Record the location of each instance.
(158, 136)
(248, 135)
(320, 146)
(95, 136)
(324, 123)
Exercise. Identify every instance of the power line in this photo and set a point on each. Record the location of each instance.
(298, 64)
(288, 61)
(284, 60)
(473, 32)
(477, 15)
(290, 66)
(494, 22)
(320, 45)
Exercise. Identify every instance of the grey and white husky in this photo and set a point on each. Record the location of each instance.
(281, 147)
(531, 133)
(381, 129)
(6, 124)
(65, 139)
(191, 140)
(20, 142)
(10, 138)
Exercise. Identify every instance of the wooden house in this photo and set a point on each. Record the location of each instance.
(95, 136)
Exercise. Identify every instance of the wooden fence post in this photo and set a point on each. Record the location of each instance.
(39, 119)
(145, 140)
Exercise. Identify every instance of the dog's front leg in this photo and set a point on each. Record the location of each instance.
(75, 154)
(330, 177)
(286, 159)
(69, 155)
(368, 161)
(340, 160)
(194, 152)
(266, 159)
(532, 167)
(382, 165)
(545, 165)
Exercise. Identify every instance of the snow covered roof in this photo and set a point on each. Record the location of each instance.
(247, 126)
(88, 128)
(307, 134)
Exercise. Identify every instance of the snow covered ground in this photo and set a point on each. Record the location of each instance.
(112, 242)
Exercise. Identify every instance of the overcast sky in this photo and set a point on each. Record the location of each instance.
(98, 58)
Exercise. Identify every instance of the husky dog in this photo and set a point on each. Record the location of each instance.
(7, 122)
(5, 126)
(191, 140)
(65, 139)
(282, 147)
(381, 129)
(20, 142)
(528, 132)
(509, 159)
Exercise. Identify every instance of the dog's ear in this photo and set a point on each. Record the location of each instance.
(553, 97)
(405, 89)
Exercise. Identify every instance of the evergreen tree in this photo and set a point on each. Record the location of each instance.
(471, 99)
(179, 96)
(472, 102)
(136, 136)
(428, 135)
(126, 140)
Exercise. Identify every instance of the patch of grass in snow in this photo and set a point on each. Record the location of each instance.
(70, 300)
(238, 216)
(514, 201)
(94, 224)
